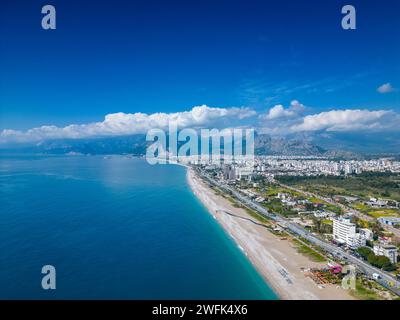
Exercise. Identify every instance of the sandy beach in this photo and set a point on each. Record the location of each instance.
(276, 260)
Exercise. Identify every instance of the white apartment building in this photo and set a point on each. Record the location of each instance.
(345, 232)
(387, 251)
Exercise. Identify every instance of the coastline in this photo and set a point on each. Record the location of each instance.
(276, 260)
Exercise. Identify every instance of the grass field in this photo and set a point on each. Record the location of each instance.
(366, 185)
(370, 290)
(376, 213)
(307, 251)
(363, 293)
(329, 222)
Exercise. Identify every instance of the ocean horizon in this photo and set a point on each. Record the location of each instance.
(114, 227)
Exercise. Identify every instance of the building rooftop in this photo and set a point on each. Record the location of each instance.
(391, 219)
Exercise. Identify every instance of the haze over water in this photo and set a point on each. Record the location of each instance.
(114, 228)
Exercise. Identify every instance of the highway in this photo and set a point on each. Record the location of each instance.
(386, 279)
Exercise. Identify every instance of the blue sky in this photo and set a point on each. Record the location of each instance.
(168, 56)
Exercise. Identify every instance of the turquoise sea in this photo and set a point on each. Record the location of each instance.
(114, 228)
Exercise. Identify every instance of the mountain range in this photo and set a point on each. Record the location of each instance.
(137, 144)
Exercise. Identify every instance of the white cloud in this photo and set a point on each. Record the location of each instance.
(385, 88)
(279, 112)
(349, 120)
(131, 123)
(278, 120)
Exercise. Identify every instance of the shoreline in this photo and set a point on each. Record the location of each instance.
(276, 260)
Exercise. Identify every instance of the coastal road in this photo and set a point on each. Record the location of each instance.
(387, 280)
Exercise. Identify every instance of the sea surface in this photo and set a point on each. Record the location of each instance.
(114, 228)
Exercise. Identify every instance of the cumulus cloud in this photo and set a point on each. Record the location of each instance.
(278, 120)
(279, 112)
(385, 88)
(349, 120)
(131, 123)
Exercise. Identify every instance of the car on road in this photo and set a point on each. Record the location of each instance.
(376, 276)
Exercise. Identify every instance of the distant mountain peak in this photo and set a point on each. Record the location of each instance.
(137, 144)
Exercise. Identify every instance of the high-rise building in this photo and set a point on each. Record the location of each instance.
(344, 231)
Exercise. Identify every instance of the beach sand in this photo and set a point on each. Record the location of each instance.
(276, 260)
